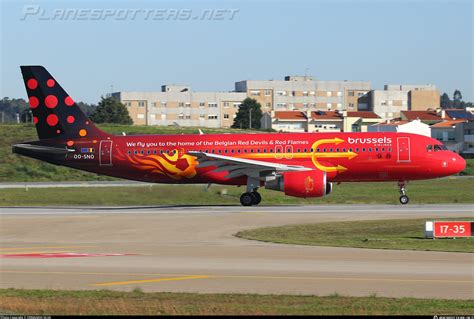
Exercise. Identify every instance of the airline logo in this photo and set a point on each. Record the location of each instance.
(369, 140)
(87, 150)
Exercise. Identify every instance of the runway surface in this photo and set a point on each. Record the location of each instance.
(192, 249)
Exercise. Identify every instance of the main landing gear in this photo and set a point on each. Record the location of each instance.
(251, 197)
(403, 198)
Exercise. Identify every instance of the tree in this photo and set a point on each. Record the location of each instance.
(249, 108)
(457, 96)
(445, 101)
(111, 110)
(457, 99)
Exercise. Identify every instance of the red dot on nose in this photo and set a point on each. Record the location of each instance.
(70, 119)
(32, 84)
(51, 101)
(69, 101)
(52, 120)
(34, 102)
(50, 83)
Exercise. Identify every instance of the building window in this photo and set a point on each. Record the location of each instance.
(212, 104)
(360, 94)
(141, 103)
(188, 104)
(226, 116)
(255, 93)
(202, 116)
(268, 92)
(188, 117)
(154, 104)
(281, 105)
(329, 93)
(339, 93)
(226, 104)
(305, 93)
(202, 104)
(351, 105)
(163, 104)
(181, 104)
(280, 93)
(268, 104)
(212, 117)
(383, 103)
(236, 105)
(350, 93)
(311, 92)
(140, 116)
(181, 116)
(305, 105)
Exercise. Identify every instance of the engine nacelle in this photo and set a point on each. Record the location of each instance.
(301, 184)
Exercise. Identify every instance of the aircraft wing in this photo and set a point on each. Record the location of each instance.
(241, 166)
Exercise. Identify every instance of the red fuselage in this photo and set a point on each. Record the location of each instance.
(345, 157)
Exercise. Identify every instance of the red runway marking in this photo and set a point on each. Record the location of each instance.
(60, 255)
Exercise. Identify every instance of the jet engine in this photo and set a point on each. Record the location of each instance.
(301, 184)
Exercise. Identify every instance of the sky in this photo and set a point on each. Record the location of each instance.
(94, 47)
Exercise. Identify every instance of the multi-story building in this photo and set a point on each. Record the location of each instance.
(394, 98)
(303, 121)
(359, 121)
(456, 130)
(415, 127)
(304, 93)
(178, 105)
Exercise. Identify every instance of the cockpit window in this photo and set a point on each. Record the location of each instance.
(441, 147)
(429, 148)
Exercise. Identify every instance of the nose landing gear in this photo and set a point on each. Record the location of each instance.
(403, 198)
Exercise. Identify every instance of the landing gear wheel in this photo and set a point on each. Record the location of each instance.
(247, 199)
(404, 199)
(257, 198)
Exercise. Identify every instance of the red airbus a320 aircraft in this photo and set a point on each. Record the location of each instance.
(298, 164)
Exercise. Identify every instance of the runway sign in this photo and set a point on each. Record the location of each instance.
(449, 229)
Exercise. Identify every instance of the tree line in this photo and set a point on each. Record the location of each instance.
(456, 102)
(108, 110)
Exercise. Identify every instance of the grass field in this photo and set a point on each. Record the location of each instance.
(387, 234)
(47, 302)
(15, 168)
(421, 192)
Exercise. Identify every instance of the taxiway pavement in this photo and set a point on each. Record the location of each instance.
(193, 249)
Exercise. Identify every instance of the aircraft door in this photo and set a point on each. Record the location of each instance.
(403, 149)
(105, 153)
